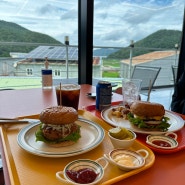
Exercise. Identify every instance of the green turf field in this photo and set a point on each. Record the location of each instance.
(19, 82)
(15, 82)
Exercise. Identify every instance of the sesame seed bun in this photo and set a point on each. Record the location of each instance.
(58, 115)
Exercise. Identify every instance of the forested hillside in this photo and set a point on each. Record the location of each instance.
(163, 39)
(11, 32)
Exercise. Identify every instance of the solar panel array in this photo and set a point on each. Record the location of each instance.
(54, 52)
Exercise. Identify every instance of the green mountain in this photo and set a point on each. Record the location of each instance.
(162, 39)
(11, 32)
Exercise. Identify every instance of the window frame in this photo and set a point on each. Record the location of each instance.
(85, 42)
(181, 62)
(29, 71)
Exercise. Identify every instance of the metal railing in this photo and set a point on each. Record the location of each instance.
(12, 77)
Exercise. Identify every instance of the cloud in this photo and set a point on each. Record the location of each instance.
(116, 22)
(49, 9)
(135, 19)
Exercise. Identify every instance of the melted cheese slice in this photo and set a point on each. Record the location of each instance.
(157, 118)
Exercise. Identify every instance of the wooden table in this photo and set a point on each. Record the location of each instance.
(168, 169)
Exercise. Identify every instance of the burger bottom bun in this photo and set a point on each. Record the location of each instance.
(61, 144)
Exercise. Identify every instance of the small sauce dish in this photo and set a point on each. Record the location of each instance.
(83, 171)
(127, 159)
(166, 141)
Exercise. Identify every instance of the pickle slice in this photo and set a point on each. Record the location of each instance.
(129, 135)
(117, 133)
(120, 133)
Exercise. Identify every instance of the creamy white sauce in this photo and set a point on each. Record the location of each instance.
(126, 160)
(62, 128)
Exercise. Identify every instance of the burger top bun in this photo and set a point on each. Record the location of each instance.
(58, 115)
(147, 109)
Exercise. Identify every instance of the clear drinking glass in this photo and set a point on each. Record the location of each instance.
(131, 90)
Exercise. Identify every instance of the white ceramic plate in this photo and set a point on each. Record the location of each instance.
(176, 122)
(91, 136)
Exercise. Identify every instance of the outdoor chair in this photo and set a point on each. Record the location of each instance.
(148, 75)
(174, 72)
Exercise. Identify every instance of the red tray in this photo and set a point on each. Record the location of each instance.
(142, 137)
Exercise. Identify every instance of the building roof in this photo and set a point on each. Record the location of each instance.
(149, 57)
(53, 52)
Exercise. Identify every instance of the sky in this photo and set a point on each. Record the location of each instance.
(116, 22)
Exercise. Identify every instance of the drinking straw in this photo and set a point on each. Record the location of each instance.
(149, 90)
(60, 95)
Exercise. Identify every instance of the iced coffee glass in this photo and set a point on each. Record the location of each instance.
(68, 95)
(131, 90)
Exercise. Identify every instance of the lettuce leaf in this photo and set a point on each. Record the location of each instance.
(72, 137)
(163, 126)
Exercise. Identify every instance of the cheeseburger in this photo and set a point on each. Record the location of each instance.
(148, 116)
(58, 127)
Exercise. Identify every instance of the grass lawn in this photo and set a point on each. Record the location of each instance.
(111, 62)
(111, 73)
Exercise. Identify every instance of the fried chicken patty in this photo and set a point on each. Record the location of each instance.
(54, 132)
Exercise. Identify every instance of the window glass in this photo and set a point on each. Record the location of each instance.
(29, 72)
(124, 29)
(32, 30)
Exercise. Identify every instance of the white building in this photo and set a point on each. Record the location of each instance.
(163, 59)
(62, 60)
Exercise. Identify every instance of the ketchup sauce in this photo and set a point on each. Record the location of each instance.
(161, 143)
(83, 176)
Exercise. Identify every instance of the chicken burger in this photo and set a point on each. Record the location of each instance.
(58, 127)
